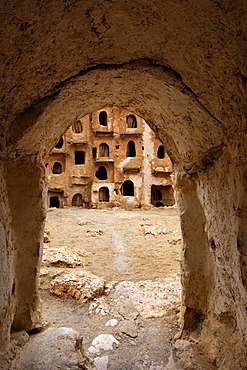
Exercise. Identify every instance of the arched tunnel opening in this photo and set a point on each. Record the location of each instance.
(180, 146)
(187, 79)
(134, 250)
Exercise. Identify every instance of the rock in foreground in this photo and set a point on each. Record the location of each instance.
(55, 348)
(65, 256)
(82, 286)
(152, 298)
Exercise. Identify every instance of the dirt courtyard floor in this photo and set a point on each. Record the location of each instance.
(136, 253)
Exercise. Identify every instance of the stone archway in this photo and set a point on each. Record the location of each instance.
(190, 91)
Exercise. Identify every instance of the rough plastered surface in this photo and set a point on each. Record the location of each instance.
(181, 65)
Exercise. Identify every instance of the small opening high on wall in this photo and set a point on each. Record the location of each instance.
(94, 153)
(59, 144)
(79, 157)
(161, 152)
(57, 168)
(131, 121)
(131, 149)
(77, 127)
(104, 150)
(101, 173)
(103, 118)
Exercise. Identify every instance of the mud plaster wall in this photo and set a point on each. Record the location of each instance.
(82, 179)
(179, 65)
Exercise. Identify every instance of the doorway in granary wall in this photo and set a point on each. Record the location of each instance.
(54, 202)
(112, 249)
(77, 200)
(162, 195)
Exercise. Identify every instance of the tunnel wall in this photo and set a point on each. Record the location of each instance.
(214, 265)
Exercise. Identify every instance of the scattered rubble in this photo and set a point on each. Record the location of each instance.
(65, 256)
(82, 286)
(94, 233)
(47, 275)
(99, 306)
(156, 231)
(103, 342)
(121, 310)
(85, 223)
(126, 308)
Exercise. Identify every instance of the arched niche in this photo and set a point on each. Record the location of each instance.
(161, 152)
(77, 200)
(128, 188)
(57, 168)
(104, 194)
(104, 150)
(131, 149)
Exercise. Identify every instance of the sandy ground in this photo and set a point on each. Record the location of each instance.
(137, 254)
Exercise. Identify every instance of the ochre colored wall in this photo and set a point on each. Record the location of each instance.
(144, 169)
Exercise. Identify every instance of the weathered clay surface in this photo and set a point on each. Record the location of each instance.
(182, 67)
(79, 285)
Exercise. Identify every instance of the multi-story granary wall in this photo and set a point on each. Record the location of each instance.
(110, 157)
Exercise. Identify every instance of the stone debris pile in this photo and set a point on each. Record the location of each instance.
(94, 233)
(65, 256)
(99, 306)
(129, 302)
(156, 231)
(85, 223)
(82, 286)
